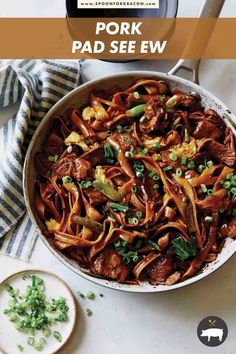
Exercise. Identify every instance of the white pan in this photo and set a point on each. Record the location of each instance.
(79, 97)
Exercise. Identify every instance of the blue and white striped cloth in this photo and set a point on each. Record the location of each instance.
(38, 85)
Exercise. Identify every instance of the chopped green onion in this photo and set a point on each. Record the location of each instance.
(89, 312)
(90, 295)
(66, 179)
(134, 190)
(152, 173)
(136, 111)
(128, 154)
(221, 210)
(208, 219)
(118, 207)
(178, 172)
(185, 200)
(119, 128)
(153, 244)
(227, 184)
(169, 110)
(155, 178)
(156, 186)
(133, 221)
(191, 164)
(142, 119)
(173, 156)
(30, 341)
(233, 190)
(139, 214)
(127, 128)
(109, 132)
(144, 151)
(156, 146)
(139, 174)
(53, 158)
(184, 160)
(162, 97)
(209, 163)
(81, 295)
(20, 348)
(57, 336)
(201, 168)
(136, 95)
(85, 184)
(209, 192)
(167, 168)
(87, 142)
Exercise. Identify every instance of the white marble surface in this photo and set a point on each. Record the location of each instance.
(131, 323)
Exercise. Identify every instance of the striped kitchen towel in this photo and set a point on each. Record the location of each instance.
(37, 85)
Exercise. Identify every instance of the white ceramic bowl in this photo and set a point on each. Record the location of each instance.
(79, 97)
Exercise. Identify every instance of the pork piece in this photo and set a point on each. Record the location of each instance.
(95, 197)
(54, 145)
(71, 166)
(64, 167)
(224, 153)
(81, 168)
(160, 269)
(154, 113)
(126, 140)
(95, 156)
(211, 127)
(229, 229)
(42, 164)
(109, 264)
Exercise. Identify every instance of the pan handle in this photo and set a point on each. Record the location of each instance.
(209, 8)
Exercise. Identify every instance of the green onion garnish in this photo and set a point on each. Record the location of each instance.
(127, 128)
(209, 163)
(133, 221)
(139, 174)
(89, 312)
(119, 128)
(167, 168)
(227, 184)
(156, 146)
(234, 211)
(191, 164)
(173, 156)
(156, 186)
(53, 158)
(184, 160)
(201, 168)
(90, 295)
(118, 207)
(57, 336)
(178, 172)
(66, 179)
(152, 173)
(136, 111)
(85, 184)
(139, 214)
(136, 95)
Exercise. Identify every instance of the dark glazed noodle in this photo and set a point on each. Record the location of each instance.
(138, 184)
